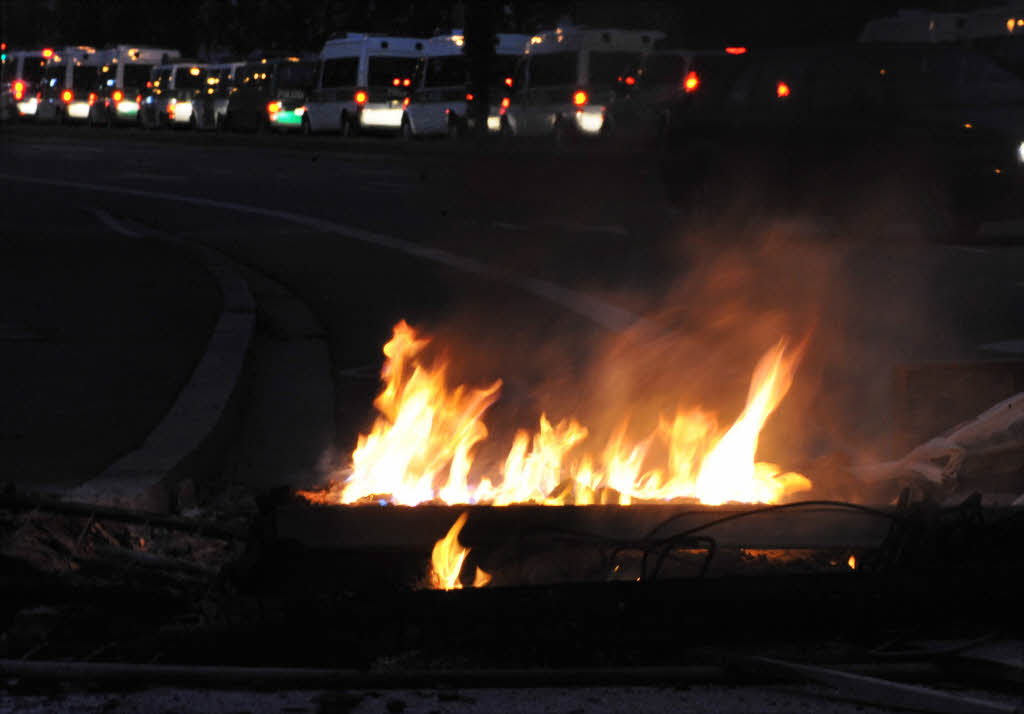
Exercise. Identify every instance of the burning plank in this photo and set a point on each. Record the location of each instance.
(422, 446)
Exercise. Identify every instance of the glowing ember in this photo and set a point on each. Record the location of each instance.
(422, 445)
(447, 558)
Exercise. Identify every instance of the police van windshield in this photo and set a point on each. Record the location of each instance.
(188, 78)
(607, 67)
(296, 75)
(447, 71)
(383, 71)
(32, 69)
(504, 66)
(664, 69)
(136, 75)
(550, 70)
(85, 78)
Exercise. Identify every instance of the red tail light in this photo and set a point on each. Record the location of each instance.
(406, 82)
(274, 107)
(47, 53)
(396, 81)
(735, 50)
(691, 82)
(92, 98)
(579, 98)
(360, 97)
(67, 95)
(469, 97)
(630, 81)
(405, 102)
(138, 99)
(19, 90)
(118, 95)
(505, 102)
(508, 81)
(782, 90)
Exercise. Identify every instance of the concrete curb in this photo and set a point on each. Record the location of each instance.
(183, 443)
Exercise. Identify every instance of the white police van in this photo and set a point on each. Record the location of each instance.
(124, 72)
(568, 77)
(440, 100)
(68, 89)
(167, 101)
(362, 83)
(22, 71)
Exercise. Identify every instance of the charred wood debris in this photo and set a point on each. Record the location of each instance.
(106, 596)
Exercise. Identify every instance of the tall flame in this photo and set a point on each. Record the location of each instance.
(422, 445)
(447, 558)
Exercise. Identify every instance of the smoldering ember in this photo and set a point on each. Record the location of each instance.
(511, 357)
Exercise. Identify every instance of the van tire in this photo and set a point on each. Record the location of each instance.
(307, 129)
(348, 126)
(505, 131)
(406, 131)
(561, 135)
(226, 123)
(455, 131)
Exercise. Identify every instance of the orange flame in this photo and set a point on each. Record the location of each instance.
(447, 558)
(422, 445)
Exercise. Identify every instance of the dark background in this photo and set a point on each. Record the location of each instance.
(231, 27)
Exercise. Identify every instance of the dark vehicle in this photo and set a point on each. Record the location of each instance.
(270, 94)
(645, 94)
(943, 121)
(167, 100)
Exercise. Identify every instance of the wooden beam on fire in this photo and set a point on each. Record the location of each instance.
(369, 527)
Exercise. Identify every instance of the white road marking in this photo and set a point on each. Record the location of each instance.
(614, 229)
(1013, 228)
(113, 224)
(601, 313)
(509, 226)
(1010, 347)
(137, 478)
(135, 176)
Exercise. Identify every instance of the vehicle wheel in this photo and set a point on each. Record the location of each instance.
(561, 135)
(348, 126)
(455, 131)
(505, 131)
(307, 130)
(226, 123)
(192, 124)
(406, 131)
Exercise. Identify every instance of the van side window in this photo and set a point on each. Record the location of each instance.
(54, 75)
(519, 73)
(551, 70)
(446, 71)
(253, 75)
(341, 72)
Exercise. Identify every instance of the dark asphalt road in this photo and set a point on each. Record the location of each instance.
(596, 223)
